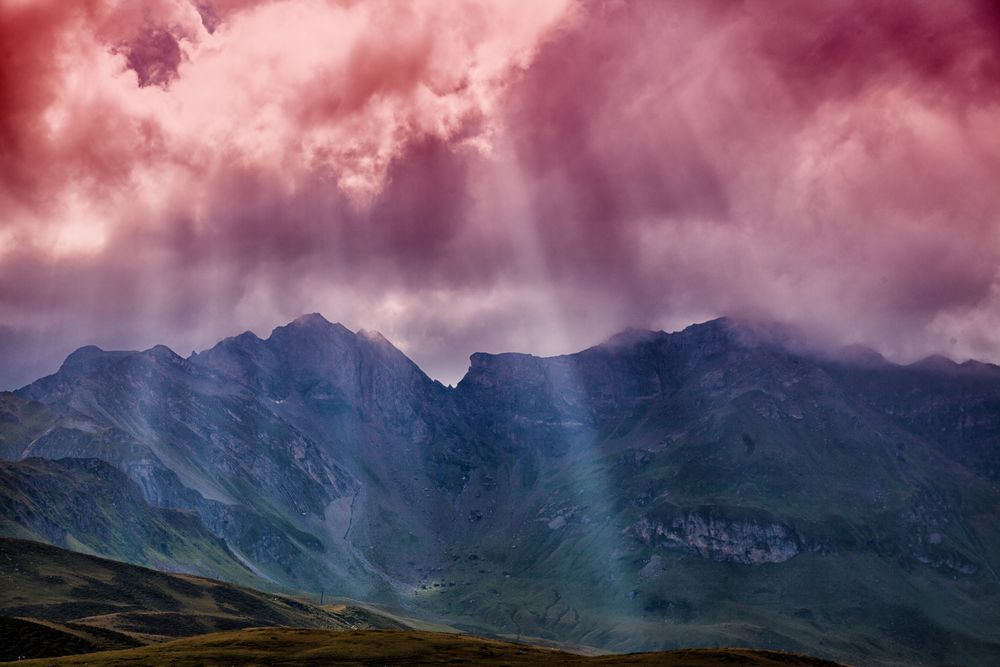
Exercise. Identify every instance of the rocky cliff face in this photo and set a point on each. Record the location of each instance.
(718, 534)
(699, 484)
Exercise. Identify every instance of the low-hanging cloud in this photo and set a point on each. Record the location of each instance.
(494, 175)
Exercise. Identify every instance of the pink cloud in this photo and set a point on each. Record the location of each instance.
(495, 175)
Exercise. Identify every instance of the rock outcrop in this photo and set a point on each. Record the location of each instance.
(716, 534)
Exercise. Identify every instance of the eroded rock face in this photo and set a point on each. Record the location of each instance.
(924, 531)
(710, 534)
(952, 563)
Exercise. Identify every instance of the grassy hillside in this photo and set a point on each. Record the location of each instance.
(275, 646)
(95, 611)
(90, 506)
(54, 600)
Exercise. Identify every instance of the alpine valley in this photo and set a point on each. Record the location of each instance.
(726, 485)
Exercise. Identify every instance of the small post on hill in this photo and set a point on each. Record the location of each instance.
(321, 592)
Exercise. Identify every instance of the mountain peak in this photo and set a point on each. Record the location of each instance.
(310, 320)
(82, 356)
(747, 332)
(717, 326)
(631, 336)
(936, 362)
(312, 324)
(979, 366)
(162, 352)
(943, 365)
(859, 355)
(85, 352)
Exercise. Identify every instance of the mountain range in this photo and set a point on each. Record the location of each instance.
(723, 485)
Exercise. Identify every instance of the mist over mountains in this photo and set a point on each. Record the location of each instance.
(723, 485)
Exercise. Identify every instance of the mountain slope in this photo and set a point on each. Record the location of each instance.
(273, 646)
(76, 604)
(720, 485)
(91, 506)
(65, 602)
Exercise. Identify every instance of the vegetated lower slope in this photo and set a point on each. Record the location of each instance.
(717, 486)
(55, 602)
(276, 646)
(91, 506)
(22, 639)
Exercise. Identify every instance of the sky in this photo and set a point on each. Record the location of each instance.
(488, 175)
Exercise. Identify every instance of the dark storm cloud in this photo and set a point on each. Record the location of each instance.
(154, 55)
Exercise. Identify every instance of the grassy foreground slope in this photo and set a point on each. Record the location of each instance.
(282, 646)
(93, 611)
(55, 602)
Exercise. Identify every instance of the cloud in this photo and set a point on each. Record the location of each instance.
(495, 175)
(827, 163)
